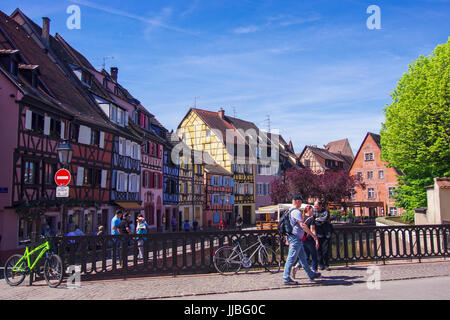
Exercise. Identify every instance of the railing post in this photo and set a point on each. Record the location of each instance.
(124, 257)
(419, 249)
(383, 244)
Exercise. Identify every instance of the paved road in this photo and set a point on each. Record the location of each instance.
(339, 279)
(414, 289)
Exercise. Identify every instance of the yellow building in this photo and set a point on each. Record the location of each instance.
(225, 140)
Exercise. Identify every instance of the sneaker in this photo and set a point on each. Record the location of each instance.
(315, 276)
(294, 272)
(290, 283)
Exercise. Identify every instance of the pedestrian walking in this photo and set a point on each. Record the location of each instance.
(187, 226)
(222, 225)
(195, 225)
(100, 233)
(174, 223)
(239, 222)
(115, 222)
(141, 228)
(124, 226)
(295, 243)
(324, 229)
(309, 244)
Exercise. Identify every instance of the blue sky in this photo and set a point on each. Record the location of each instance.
(312, 65)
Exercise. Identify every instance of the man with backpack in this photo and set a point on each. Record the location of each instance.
(295, 228)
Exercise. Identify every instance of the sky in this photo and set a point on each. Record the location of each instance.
(312, 67)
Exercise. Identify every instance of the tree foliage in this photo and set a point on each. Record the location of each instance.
(415, 136)
(330, 186)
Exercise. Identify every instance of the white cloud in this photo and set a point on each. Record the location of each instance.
(249, 29)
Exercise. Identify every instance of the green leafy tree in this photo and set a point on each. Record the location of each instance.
(415, 137)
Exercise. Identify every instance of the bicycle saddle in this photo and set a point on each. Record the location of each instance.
(28, 241)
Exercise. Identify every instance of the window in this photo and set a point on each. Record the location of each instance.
(392, 211)
(74, 131)
(25, 229)
(105, 83)
(368, 156)
(208, 133)
(55, 128)
(307, 163)
(352, 194)
(86, 78)
(391, 192)
(381, 174)
(135, 151)
(14, 67)
(371, 193)
(120, 117)
(369, 175)
(113, 113)
(116, 90)
(359, 176)
(49, 173)
(37, 122)
(30, 172)
(95, 137)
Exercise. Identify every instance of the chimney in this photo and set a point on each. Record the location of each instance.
(46, 29)
(114, 72)
(221, 113)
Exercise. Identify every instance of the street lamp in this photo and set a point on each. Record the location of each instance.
(65, 152)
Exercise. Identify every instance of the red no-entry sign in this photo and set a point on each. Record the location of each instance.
(62, 177)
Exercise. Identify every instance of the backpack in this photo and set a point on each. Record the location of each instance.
(284, 224)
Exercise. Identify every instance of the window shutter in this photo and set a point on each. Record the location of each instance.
(84, 135)
(114, 179)
(160, 180)
(128, 148)
(102, 140)
(28, 117)
(120, 146)
(63, 130)
(126, 176)
(104, 176)
(46, 125)
(80, 176)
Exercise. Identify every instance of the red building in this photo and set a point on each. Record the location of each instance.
(379, 179)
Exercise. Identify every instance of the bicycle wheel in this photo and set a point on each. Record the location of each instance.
(53, 271)
(15, 276)
(269, 259)
(227, 260)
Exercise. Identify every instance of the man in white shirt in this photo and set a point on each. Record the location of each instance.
(296, 245)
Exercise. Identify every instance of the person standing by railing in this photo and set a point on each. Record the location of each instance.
(141, 228)
(323, 230)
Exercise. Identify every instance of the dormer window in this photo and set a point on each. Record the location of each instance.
(14, 67)
(86, 78)
(116, 90)
(105, 83)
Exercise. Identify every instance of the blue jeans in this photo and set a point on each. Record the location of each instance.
(310, 251)
(296, 250)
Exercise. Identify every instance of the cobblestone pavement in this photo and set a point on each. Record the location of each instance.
(197, 285)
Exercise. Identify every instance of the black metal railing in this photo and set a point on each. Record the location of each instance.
(192, 252)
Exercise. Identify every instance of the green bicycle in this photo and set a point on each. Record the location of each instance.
(18, 266)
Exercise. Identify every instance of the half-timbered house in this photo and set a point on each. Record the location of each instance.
(43, 110)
